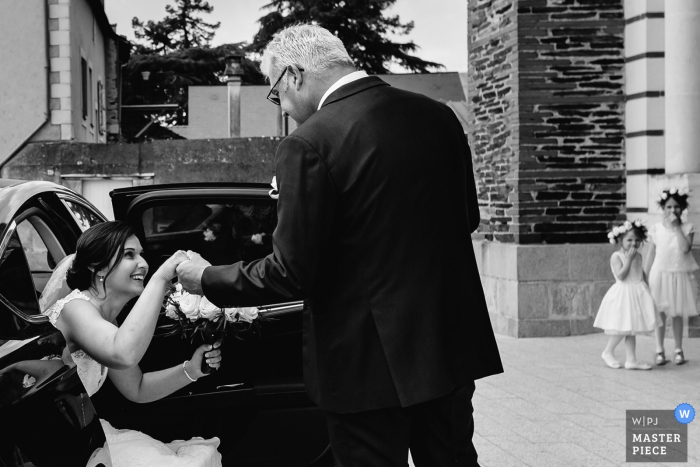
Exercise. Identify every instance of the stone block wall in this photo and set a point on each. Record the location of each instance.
(553, 290)
(177, 161)
(546, 98)
(550, 290)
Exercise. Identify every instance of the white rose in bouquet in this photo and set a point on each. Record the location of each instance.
(248, 314)
(178, 292)
(170, 311)
(231, 314)
(189, 305)
(208, 310)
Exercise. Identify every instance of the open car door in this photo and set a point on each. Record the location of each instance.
(256, 402)
(46, 414)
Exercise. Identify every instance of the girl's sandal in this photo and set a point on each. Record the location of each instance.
(679, 358)
(610, 361)
(637, 366)
(660, 358)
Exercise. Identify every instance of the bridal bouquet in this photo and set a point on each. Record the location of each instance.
(194, 314)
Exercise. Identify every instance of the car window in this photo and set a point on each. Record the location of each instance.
(221, 233)
(41, 248)
(38, 255)
(85, 217)
(16, 286)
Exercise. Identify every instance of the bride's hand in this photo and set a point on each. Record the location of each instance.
(166, 271)
(212, 356)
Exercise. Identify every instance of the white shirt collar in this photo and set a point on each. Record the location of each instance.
(354, 76)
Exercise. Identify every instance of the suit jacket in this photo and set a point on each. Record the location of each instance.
(376, 205)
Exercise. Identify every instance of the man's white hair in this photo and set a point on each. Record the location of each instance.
(308, 46)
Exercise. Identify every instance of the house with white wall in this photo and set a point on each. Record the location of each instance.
(59, 79)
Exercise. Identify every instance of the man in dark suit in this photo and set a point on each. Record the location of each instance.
(376, 205)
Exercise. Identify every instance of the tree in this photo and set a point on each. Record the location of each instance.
(171, 74)
(176, 53)
(180, 29)
(360, 24)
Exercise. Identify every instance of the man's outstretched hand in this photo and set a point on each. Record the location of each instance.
(189, 273)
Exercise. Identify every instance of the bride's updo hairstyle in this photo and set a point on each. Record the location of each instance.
(96, 248)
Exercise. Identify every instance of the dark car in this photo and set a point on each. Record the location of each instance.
(255, 403)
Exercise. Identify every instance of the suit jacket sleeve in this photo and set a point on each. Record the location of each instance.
(305, 208)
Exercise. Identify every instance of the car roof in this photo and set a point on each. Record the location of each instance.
(5, 182)
(14, 193)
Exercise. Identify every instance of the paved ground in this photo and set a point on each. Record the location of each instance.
(558, 405)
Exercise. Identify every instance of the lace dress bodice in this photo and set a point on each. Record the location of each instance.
(91, 373)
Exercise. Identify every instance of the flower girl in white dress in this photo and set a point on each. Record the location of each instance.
(673, 268)
(628, 307)
(105, 273)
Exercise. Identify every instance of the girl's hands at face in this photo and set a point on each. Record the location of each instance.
(674, 220)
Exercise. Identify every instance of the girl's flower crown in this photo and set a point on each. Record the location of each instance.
(625, 227)
(681, 197)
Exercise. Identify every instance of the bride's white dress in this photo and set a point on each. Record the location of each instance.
(129, 448)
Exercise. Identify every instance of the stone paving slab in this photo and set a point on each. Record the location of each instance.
(558, 405)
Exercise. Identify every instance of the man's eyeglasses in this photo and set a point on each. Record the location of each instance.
(274, 95)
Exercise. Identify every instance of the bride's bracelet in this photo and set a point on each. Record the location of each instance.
(184, 369)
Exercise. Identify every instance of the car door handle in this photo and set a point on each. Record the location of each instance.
(280, 309)
(228, 386)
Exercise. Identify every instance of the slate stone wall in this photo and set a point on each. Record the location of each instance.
(546, 118)
(493, 108)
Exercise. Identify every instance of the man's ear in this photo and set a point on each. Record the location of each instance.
(298, 77)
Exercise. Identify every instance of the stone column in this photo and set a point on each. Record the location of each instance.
(682, 86)
(546, 118)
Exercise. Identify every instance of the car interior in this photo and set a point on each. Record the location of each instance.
(236, 232)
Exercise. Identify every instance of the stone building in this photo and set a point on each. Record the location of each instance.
(60, 79)
(61, 64)
(567, 130)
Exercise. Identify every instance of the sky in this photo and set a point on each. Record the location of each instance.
(440, 25)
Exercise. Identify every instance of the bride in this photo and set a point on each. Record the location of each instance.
(83, 299)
